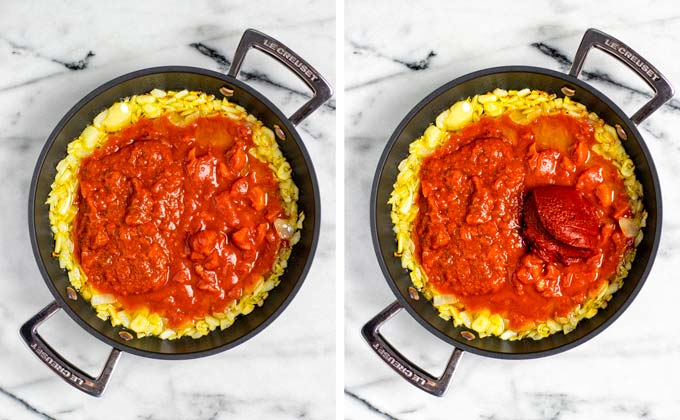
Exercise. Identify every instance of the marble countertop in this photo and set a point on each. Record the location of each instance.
(50, 57)
(632, 369)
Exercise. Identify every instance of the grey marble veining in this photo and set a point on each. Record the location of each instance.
(53, 55)
(396, 55)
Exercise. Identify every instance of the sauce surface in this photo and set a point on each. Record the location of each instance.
(177, 219)
(469, 229)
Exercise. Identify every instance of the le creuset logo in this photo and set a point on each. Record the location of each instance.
(59, 368)
(292, 58)
(633, 58)
(394, 362)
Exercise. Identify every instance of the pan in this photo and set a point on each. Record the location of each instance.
(413, 125)
(174, 78)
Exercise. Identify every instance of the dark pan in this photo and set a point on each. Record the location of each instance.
(413, 125)
(174, 78)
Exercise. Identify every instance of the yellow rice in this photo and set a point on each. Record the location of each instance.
(182, 107)
(523, 107)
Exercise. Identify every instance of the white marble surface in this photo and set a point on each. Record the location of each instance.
(53, 54)
(398, 53)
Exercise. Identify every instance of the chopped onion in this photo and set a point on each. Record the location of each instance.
(444, 299)
(167, 334)
(102, 299)
(629, 227)
(285, 229)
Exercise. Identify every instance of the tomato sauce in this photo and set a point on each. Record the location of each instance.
(177, 219)
(469, 232)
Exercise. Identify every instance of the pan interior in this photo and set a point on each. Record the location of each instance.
(414, 125)
(174, 78)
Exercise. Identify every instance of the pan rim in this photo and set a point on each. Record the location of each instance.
(32, 203)
(374, 205)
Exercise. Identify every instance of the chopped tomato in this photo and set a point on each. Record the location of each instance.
(159, 207)
(477, 239)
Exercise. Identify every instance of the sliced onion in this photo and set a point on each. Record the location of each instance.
(285, 229)
(629, 227)
(444, 300)
(102, 299)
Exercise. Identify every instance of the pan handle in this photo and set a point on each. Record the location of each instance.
(663, 91)
(400, 364)
(62, 367)
(320, 87)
